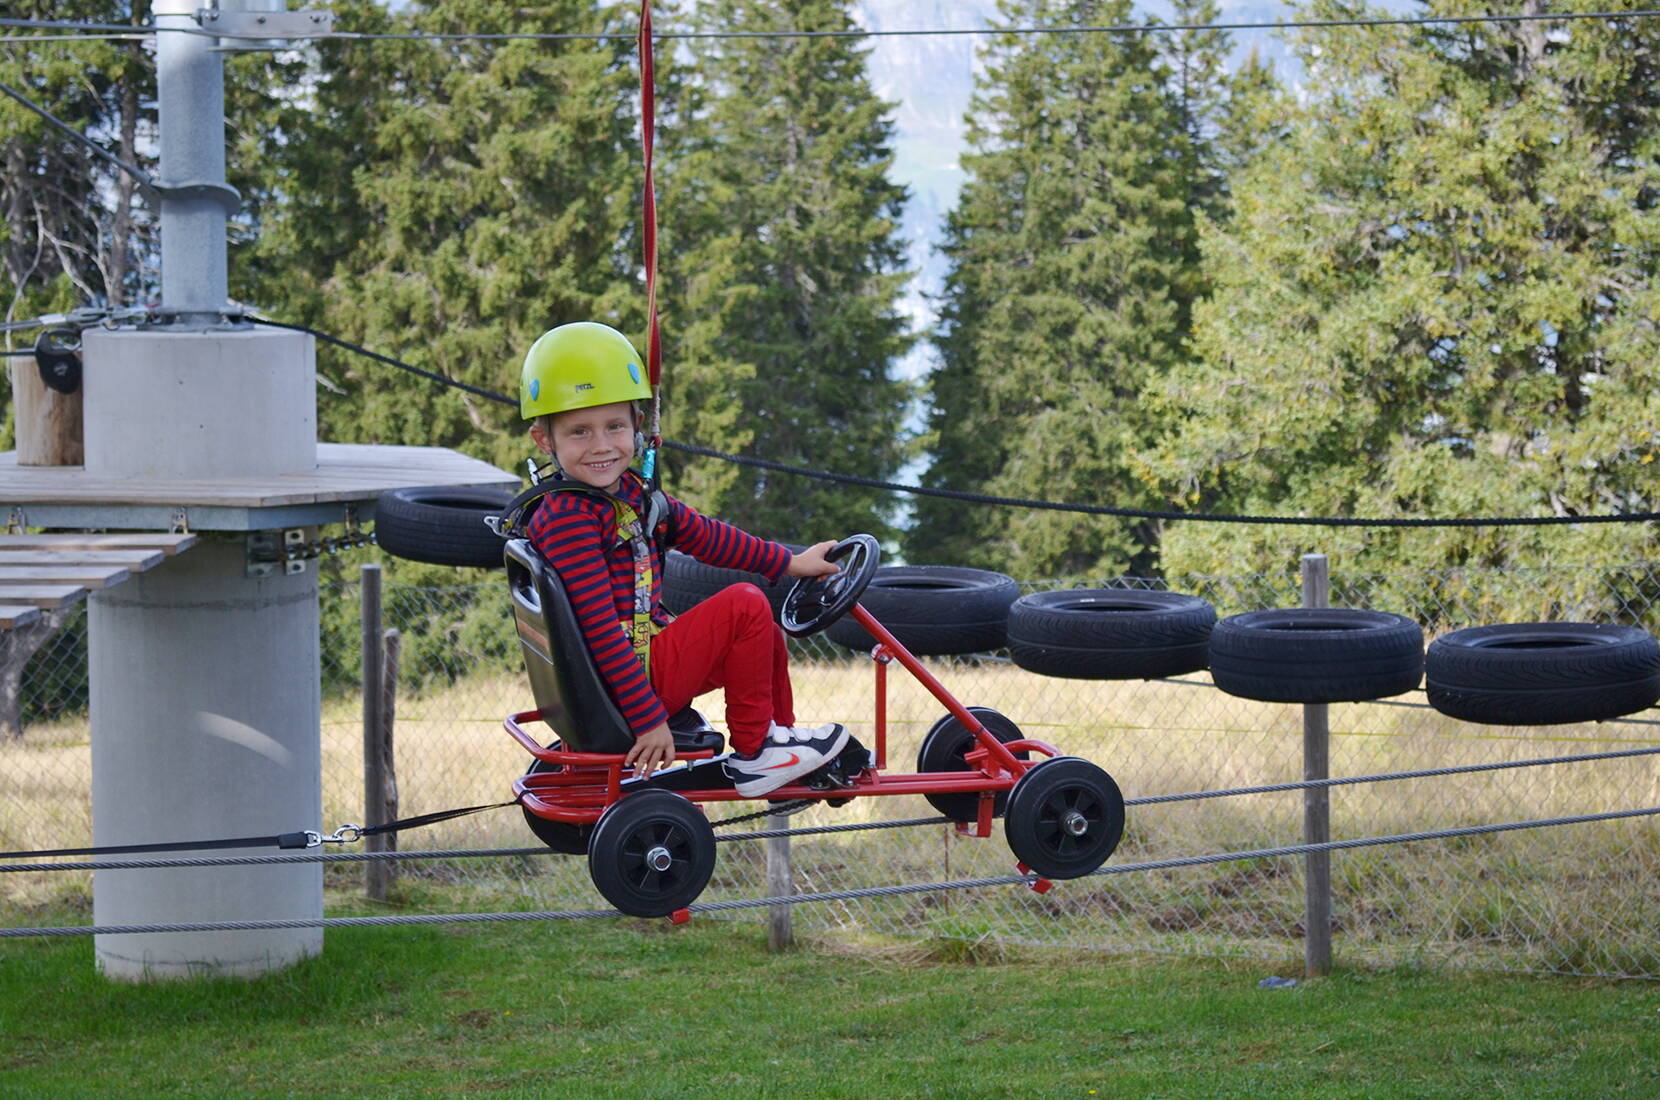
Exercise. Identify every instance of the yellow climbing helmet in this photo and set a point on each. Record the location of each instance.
(578, 366)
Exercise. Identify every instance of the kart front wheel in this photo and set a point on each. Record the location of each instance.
(1065, 817)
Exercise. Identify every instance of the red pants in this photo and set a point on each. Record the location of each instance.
(728, 641)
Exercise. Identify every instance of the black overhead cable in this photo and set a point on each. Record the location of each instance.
(101, 29)
(1017, 502)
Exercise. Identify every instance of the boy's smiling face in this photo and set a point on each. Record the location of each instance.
(593, 446)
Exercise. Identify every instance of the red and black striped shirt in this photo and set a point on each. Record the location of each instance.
(577, 534)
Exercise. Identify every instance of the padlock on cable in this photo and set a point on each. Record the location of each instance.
(58, 357)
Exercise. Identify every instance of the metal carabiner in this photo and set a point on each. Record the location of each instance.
(346, 834)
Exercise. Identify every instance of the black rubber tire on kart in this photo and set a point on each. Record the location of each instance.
(441, 524)
(687, 582)
(640, 829)
(1316, 655)
(561, 836)
(1065, 817)
(1540, 674)
(943, 749)
(934, 610)
(1110, 633)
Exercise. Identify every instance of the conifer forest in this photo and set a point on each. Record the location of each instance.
(1411, 275)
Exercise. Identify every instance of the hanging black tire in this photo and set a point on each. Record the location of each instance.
(1540, 674)
(943, 749)
(1110, 633)
(561, 836)
(687, 582)
(441, 524)
(1065, 817)
(1316, 655)
(934, 610)
(651, 853)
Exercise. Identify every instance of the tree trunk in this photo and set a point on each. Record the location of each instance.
(16, 648)
(121, 227)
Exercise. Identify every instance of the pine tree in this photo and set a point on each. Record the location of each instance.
(447, 201)
(783, 273)
(1436, 298)
(1071, 276)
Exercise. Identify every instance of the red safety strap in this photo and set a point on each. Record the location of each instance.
(648, 124)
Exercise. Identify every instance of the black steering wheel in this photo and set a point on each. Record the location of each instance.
(813, 603)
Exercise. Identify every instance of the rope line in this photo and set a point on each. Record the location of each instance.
(1018, 502)
(1150, 513)
(100, 30)
(819, 830)
(828, 895)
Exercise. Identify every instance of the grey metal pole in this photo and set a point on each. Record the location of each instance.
(190, 112)
(1316, 800)
(374, 781)
(780, 882)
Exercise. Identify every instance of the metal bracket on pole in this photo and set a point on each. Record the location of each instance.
(271, 552)
(222, 193)
(266, 25)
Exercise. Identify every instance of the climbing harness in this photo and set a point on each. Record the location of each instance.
(654, 531)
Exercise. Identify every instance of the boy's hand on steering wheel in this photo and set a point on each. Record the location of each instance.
(653, 749)
(811, 562)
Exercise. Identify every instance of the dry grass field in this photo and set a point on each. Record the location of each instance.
(1579, 898)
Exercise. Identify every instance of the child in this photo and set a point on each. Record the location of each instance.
(578, 389)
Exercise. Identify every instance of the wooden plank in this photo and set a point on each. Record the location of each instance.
(136, 560)
(166, 543)
(87, 576)
(17, 616)
(344, 472)
(41, 595)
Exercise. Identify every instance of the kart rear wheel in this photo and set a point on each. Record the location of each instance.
(943, 749)
(1065, 817)
(651, 853)
(561, 836)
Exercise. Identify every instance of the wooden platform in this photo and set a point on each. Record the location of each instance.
(49, 572)
(348, 478)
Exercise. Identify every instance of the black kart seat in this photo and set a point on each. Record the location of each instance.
(564, 680)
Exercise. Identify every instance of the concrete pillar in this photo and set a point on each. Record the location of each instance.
(187, 405)
(205, 724)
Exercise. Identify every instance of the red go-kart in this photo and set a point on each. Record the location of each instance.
(650, 848)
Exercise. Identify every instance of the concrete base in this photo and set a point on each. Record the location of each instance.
(190, 405)
(205, 724)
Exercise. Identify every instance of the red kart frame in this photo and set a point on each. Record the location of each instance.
(651, 851)
(588, 783)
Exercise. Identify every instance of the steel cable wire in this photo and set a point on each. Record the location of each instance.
(1172, 863)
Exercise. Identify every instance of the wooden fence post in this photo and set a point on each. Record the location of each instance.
(780, 883)
(1316, 800)
(374, 699)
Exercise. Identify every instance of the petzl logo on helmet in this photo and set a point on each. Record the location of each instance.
(633, 370)
(580, 386)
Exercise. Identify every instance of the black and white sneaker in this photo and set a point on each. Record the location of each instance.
(780, 763)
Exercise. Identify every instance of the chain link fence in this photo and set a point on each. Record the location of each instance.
(1578, 899)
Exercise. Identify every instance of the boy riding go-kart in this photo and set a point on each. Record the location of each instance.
(613, 675)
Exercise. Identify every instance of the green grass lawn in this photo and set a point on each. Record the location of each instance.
(608, 1008)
